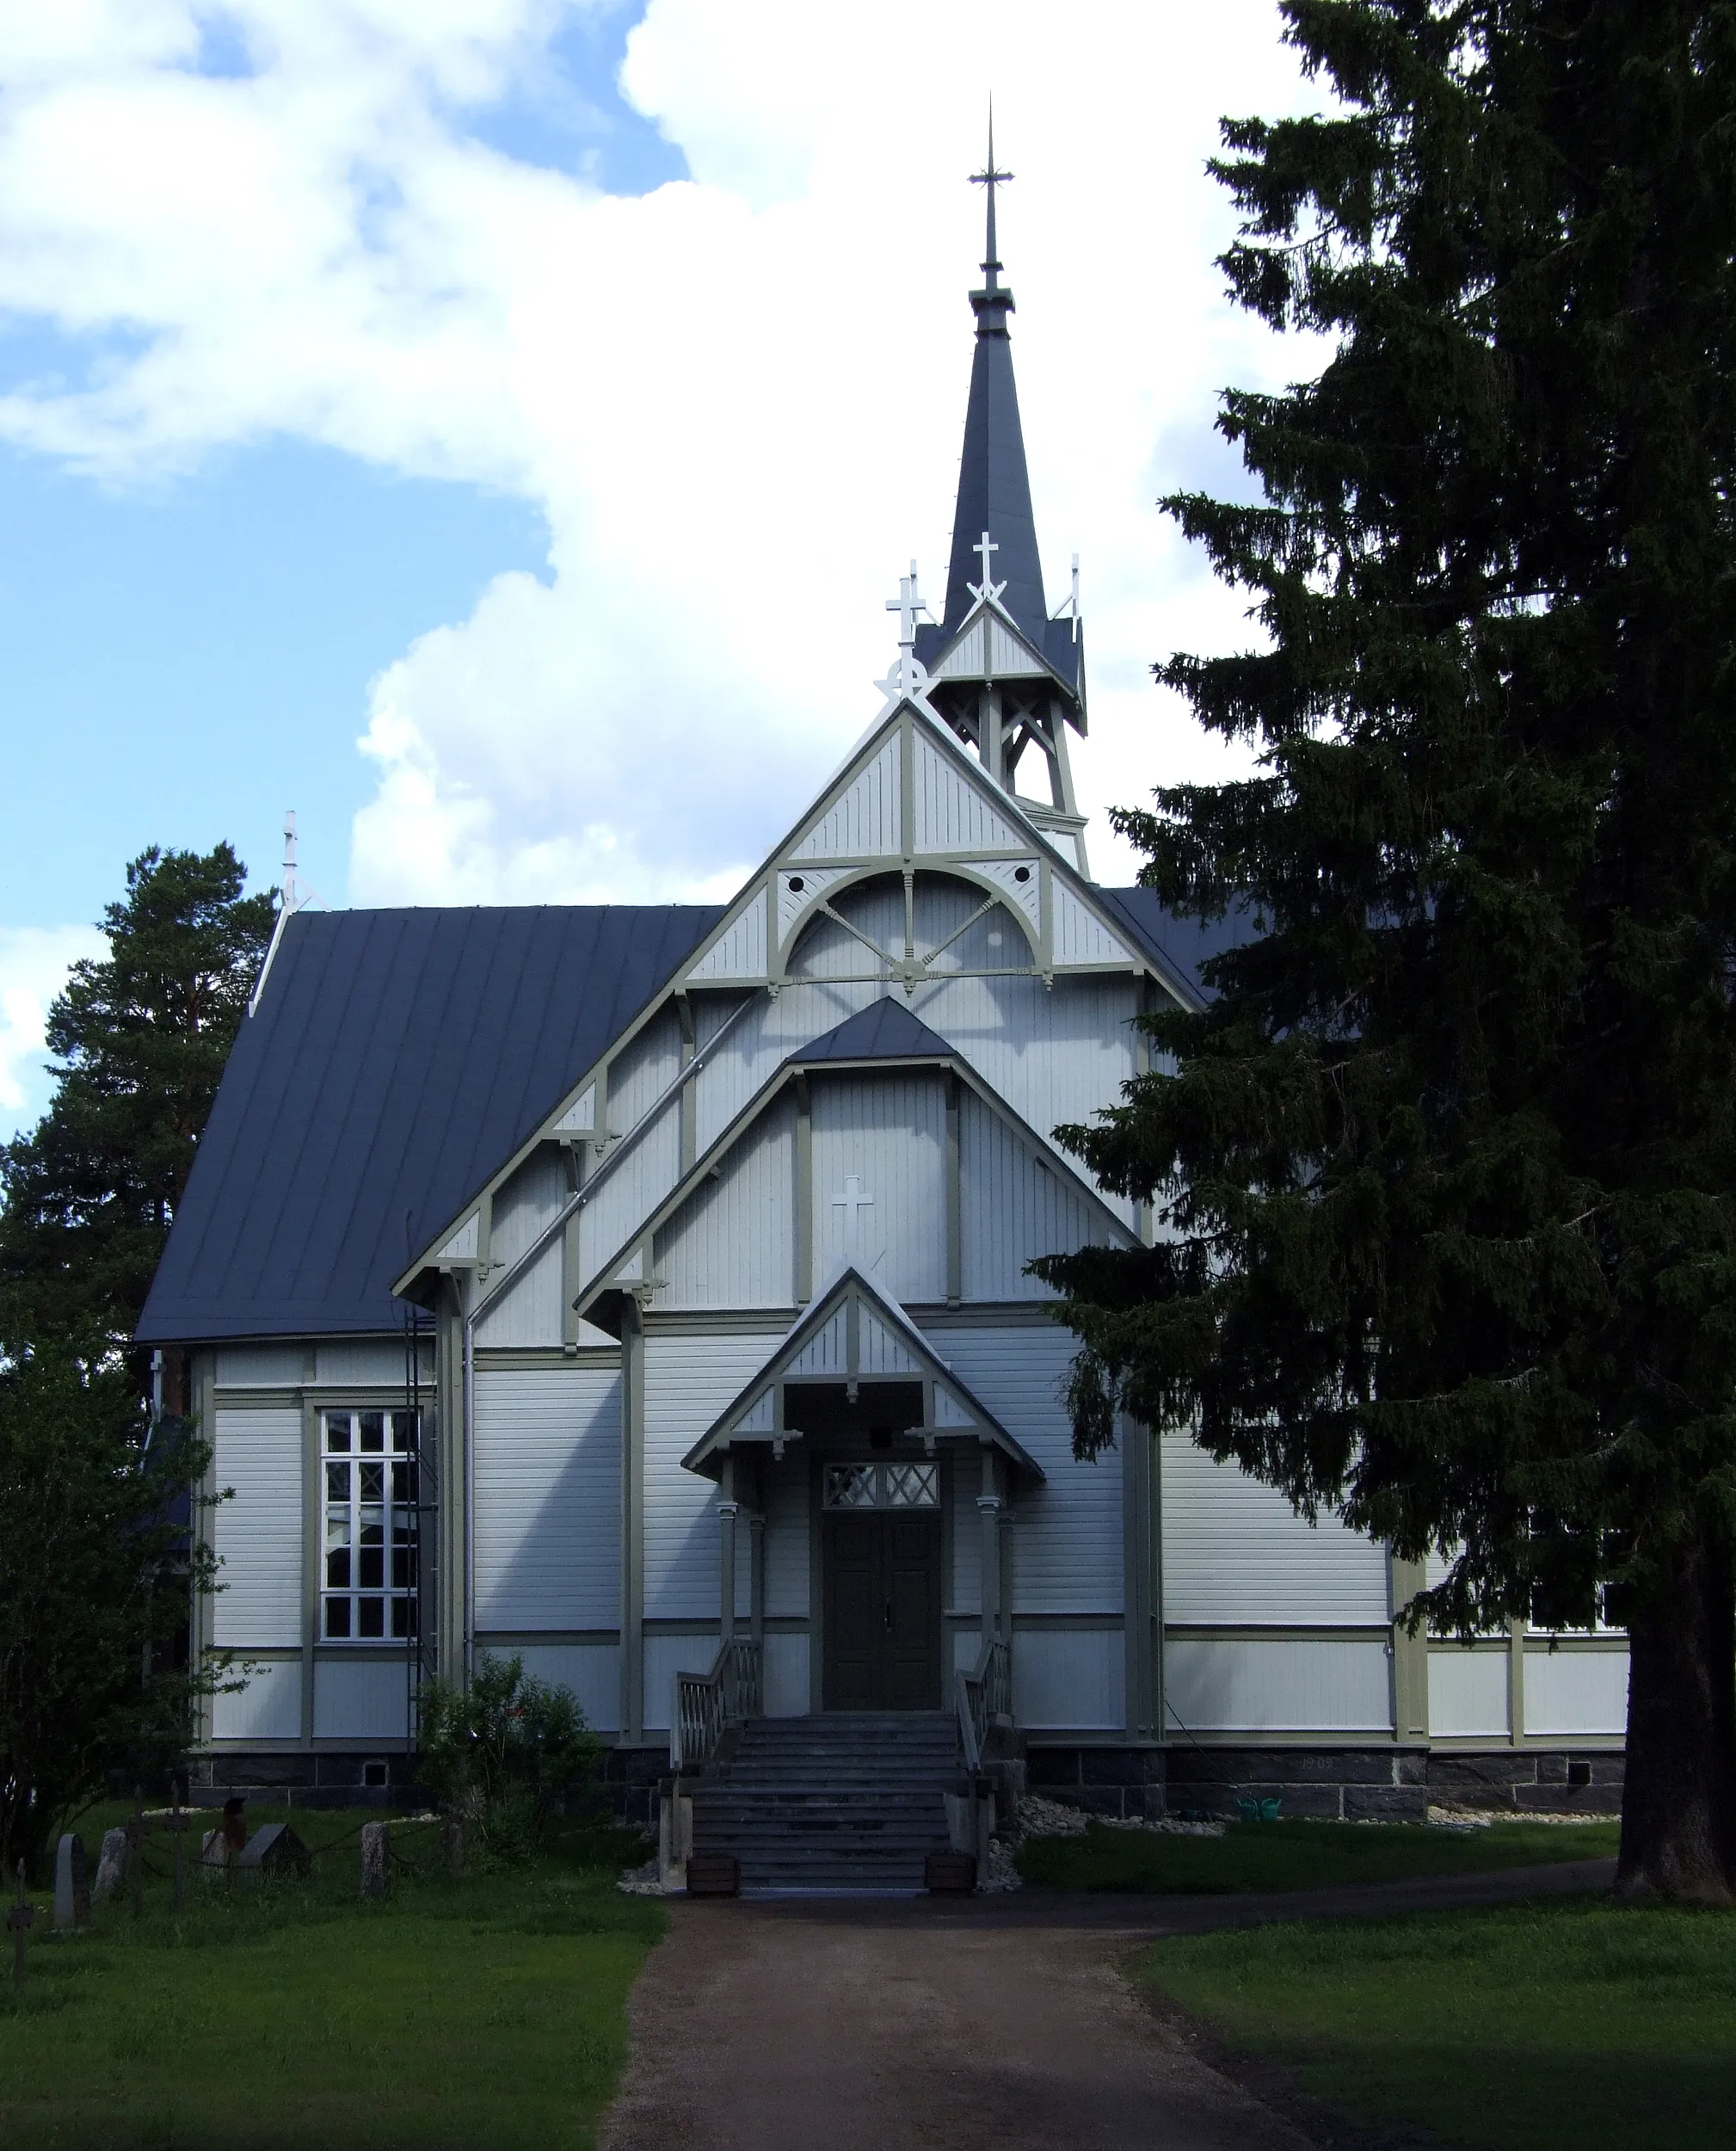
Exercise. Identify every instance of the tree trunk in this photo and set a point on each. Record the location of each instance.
(1678, 1808)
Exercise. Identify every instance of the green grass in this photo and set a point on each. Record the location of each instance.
(1298, 1855)
(486, 2009)
(1511, 2028)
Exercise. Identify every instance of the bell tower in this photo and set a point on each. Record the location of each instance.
(1005, 676)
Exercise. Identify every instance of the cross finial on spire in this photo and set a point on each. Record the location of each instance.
(907, 679)
(990, 178)
(988, 588)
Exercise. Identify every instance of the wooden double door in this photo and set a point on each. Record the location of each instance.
(882, 1611)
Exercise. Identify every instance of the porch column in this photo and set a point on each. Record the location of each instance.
(988, 1511)
(727, 1509)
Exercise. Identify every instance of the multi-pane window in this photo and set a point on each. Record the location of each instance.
(369, 1525)
(883, 1486)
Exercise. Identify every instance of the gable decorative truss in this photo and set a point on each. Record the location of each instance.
(912, 799)
(909, 798)
(857, 1335)
(630, 1263)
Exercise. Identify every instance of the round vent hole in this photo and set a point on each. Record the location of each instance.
(796, 884)
(1021, 873)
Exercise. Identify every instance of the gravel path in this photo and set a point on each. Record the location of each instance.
(988, 2024)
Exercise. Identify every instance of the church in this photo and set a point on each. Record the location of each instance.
(645, 1291)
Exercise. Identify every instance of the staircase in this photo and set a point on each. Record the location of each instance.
(836, 1802)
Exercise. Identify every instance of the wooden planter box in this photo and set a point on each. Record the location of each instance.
(950, 1874)
(714, 1875)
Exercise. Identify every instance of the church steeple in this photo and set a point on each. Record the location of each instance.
(993, 486)
(1004, 675)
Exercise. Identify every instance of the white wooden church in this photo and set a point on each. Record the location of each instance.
(645, 1291)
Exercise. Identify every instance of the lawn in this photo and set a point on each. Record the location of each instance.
(1298, 1855)
(1512, 2028)
(480, 2009)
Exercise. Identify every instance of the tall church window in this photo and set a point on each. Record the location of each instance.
(369, 1581)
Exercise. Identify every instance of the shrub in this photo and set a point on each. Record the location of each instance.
(504, 1753)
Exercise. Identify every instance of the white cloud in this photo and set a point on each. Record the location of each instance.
(34, 963)
(737, 400)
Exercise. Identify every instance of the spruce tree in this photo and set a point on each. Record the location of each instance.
(1443, 1175)
(142, 1035)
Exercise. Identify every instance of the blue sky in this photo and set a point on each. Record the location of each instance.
(492, 427)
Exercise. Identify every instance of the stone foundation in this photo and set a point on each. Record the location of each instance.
(1564, 1781)
(1336, 1785)
(357, 1780)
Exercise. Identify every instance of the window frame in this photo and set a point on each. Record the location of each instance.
(356, 1440)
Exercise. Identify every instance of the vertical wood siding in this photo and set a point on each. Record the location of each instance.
(1233, 1550)
(258, 1534)
(786, 1676)
(733, 1243)
(1067, 1538)
(1015, 1205)
(863, 822)
(359, 1699)
(267, 1708)
(590, 1670)
(1575, 1692)
(548, 1474)
(890, 1132)
(1282, 1686)
(1069, 1678)
(787, 1543)
(643, 1071)
(951, 814)
(367, 1363)
(688, 1381)
(527, 1311)
(261, 1366)
(1468, 1693)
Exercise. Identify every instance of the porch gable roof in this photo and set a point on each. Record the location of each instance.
(854, 1331)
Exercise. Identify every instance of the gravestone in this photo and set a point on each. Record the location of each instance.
(376, 1850)
(111, 1867)
(213, 1849)
(71, 1883)
(273, 1850)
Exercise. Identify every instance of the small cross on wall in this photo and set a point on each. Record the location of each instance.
(852, 1202)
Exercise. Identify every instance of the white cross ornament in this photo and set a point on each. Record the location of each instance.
(852, 1202)
(985, 545)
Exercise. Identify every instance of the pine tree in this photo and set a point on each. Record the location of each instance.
(142, 1035)
(1444, 1174)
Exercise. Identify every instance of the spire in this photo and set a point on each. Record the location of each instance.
(993, 487)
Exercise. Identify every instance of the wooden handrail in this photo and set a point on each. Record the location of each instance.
(981, 1696)
(704, 1703)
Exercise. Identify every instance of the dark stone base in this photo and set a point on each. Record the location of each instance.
(1558, 1781)
(363, 1779)
(1338, 1784)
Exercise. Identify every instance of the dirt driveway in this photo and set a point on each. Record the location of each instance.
(988, 2026)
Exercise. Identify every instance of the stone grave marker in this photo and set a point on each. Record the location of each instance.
(273, 1850)
(71, 1883)
(376, 1851)
(111, 1866)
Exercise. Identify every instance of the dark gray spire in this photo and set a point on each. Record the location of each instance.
(993, 488)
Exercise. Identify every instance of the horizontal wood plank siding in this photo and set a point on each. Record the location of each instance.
(1067, 1537)
(1234, 1550)
(1468, 1693)
(258, 1534)
(688, 1381)
(1282, 1686)
(548, 1467)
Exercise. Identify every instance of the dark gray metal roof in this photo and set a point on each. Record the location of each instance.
(1180, 944)
(993, 484)
(884, 1030)
(396, 1059)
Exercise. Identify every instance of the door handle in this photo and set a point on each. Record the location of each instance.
(888, 1616)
